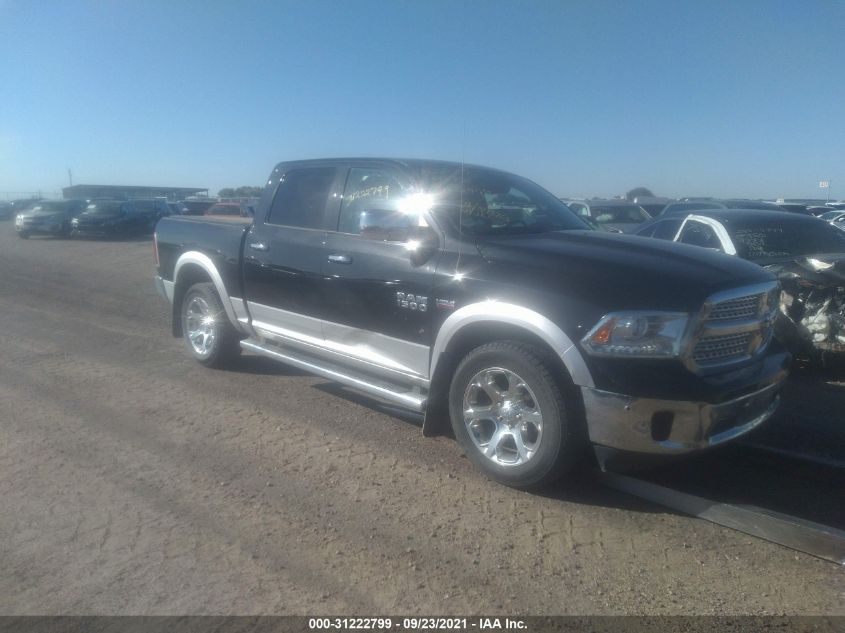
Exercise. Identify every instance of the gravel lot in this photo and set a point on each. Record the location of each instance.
(134, 481)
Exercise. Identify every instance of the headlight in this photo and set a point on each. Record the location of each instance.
(637, 334)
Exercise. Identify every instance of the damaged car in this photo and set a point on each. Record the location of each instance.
(807, 255)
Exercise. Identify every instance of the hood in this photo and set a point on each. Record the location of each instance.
(630, 271)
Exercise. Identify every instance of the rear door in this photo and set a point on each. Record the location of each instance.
(284, 251)
(378, 276)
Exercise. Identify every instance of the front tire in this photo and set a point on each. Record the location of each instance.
(511, 417)
(23, 235)
(209, 335)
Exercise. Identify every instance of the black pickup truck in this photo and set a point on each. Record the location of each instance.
(477, 297)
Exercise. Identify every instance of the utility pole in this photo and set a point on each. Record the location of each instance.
(69, 177)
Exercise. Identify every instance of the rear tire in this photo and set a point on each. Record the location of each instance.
(209, 335)
(511, 417)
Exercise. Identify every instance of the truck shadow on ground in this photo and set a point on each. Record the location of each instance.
(735, 474)
(260, 366)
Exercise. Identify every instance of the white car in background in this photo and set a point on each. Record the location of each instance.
(835, 217)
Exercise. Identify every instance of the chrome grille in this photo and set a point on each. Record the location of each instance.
(712, 349)
(736, 325)
(742, 308)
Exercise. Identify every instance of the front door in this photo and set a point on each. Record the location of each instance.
(378, 276)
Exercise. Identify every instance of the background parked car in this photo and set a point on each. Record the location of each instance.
(198, 206)
(664, 227)
(729, 203)
(806, 254)
(23, 203)
(48, 217)
(5, 210)
(653, 205)
(794, 207)
(834, 217)
(106, 218)
(619, 215)
(687, 206)
(176, 208)
(227, 209)
(152, 210)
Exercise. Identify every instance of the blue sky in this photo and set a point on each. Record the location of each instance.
(738, 98)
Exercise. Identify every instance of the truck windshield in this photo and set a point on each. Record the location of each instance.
(482, 202)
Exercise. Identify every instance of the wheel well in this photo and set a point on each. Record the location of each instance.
(189, 274)
(467, 339)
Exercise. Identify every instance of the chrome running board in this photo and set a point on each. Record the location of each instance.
(392, 393)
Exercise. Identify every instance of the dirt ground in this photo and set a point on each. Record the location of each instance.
(134, 481)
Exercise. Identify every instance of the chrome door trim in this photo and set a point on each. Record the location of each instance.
(379, 349)
(404, 360)
(285, 323)
(519, 316)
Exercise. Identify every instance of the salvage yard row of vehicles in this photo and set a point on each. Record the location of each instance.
(614, 215)
(621, 216)
(107, 218)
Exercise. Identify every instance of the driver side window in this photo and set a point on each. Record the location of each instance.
(371, 206)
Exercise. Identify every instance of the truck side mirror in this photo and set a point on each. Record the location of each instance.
(422, 244)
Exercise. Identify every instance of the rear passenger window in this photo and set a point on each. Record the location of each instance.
(301, 197)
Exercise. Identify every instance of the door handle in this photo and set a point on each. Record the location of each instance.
(259, 246)
(340, 259)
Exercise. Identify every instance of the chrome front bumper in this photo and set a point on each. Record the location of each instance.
(673, 427)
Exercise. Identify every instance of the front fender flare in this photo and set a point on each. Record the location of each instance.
(517, 316)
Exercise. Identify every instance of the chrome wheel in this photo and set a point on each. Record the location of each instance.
(502, 417)
(200, 326)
